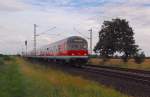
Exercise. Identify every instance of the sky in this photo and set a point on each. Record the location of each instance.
(70, 17)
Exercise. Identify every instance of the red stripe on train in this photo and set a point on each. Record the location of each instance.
(67, 53)
(77, 52)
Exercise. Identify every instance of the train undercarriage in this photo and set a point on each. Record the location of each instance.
(67, 60)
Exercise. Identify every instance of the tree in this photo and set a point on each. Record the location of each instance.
(116, 36)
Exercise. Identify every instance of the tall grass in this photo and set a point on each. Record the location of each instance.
(47, 82)
(11, 80)
(19, 78)
(1, 61)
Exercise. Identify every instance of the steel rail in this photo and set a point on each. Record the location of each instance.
(137, 77)
(144, 72)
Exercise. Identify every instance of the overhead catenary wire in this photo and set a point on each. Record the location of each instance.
(44, 32)
(80, 33)
(35, 35)
(89, 38)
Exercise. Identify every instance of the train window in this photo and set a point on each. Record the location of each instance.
(74, 46)
(84, 46)
(78, 40)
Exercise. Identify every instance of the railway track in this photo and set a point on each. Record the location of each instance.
(138, 76)
(129, 81)
(122, 69)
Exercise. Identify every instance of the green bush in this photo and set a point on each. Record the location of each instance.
(1, 55)
(139, 58)
(1, 61)
(93, 56)
(4, 58)
(7, 58)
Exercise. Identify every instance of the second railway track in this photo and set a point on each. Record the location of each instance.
(138, 76)
(145, 72)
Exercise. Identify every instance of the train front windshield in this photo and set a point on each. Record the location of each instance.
(78, 44)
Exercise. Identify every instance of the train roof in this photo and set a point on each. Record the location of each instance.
(72, 37)
(69, 38)
(66, 39)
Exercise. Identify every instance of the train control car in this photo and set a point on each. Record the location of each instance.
(70, 50)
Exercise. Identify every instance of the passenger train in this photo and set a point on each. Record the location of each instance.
(73, 49)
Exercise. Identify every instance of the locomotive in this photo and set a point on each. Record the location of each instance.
(73, 49)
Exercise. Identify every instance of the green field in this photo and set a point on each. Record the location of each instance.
(19, 78)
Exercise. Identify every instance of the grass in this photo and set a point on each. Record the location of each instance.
(19, 78)
(11, 81)
(119, 63)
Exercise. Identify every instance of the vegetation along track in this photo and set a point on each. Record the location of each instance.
(129, 82)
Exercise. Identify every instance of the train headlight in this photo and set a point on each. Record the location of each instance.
(72, 54)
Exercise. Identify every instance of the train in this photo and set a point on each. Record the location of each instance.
(73, 49)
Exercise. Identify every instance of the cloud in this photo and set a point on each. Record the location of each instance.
(17, 27)
(12, 5)
(49, 3)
